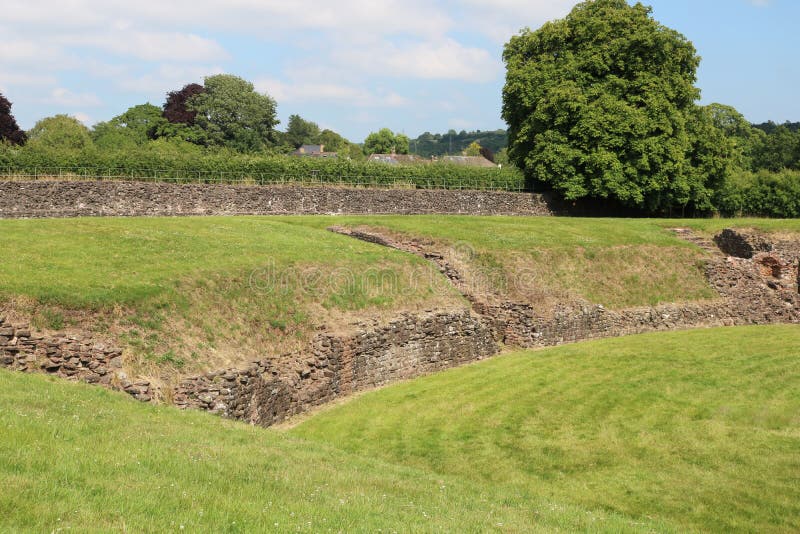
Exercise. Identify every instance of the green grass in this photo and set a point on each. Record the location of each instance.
(177, 290)
(239, 288)
(94, 262)
(82, 459)
(698, 429)
(615, 262)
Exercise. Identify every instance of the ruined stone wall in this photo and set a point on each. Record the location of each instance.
(119, 198)
(756, 288)
(74, 357)
(339, 364)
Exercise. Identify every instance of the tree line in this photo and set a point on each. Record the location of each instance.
(225, 112)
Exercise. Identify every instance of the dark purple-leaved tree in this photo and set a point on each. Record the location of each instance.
(176, 109)
(9, 130)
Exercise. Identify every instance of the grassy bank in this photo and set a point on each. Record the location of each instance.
(668, 432)
(185, 294)
(204, 292)
(698, 429)
(616, 262)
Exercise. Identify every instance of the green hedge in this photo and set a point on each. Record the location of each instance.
(764, 194)
(169, 163)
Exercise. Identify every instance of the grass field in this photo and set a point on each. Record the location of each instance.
(710, 226)
(668, 432)
(699, 429)
(75, 458)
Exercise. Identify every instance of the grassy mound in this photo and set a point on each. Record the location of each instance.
(74, 457)
(199, 293)
(697, 429)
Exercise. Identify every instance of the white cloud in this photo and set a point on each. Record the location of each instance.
(150, 46)
(84, 118)
(328, 92)
(10, 78)
(64, 97)
(248, 16)
(166, 77)
(441, 60)
(22, 51)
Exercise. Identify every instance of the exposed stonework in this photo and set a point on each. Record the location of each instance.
(75, 357)
(119, 198)
(757, 290)
(748, 295)
(273, 389)
(741, 244)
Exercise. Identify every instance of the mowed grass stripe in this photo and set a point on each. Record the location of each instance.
(700, 429)
(78, 458)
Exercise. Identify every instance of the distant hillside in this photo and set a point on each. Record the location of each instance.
(452, 142)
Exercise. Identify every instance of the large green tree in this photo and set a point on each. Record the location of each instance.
(59, 132)
(234, 114)
(601, 105)
(135, 127)
(385, 141)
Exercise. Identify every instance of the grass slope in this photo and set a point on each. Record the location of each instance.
(204, 292)
(699, 429)
(616, 262)
(78, 458)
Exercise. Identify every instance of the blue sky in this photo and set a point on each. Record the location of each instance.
(353, 65)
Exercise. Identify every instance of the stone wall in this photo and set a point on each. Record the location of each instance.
(759, 288)
(120, 198)
(74, 357)
(273, 389)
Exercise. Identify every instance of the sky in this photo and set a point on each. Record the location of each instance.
(353, 66)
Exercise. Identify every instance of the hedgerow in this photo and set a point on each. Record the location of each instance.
(167, 162)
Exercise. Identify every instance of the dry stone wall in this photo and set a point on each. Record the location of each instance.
(120, 198)
(74, 357)
(339, 364)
